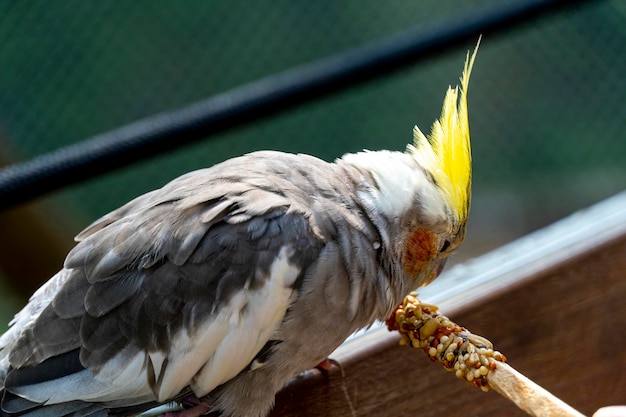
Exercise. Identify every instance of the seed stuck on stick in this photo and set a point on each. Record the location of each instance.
(471, 357)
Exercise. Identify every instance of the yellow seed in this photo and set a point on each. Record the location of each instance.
(433, 308)
(484, 388)
(459, 374)
(470, 377)
(450, 356)
(480, 341)
(477, 373)
(429, 328)
(483, 370)
(432, 351)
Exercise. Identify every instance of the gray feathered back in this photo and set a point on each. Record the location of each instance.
(174, 257)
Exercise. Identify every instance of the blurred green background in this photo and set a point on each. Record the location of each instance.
(546, 104)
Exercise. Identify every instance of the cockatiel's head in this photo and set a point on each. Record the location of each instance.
(424, 193)
(446, 156)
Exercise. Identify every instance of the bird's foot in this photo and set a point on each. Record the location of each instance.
(193, 408)
(195, 411)
(327, 364)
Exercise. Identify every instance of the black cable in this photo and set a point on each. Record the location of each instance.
(147, 137)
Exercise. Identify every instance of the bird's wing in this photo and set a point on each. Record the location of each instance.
(181, 287)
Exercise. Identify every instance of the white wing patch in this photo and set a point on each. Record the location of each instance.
(212, 354)
(251, 327)
(220, 348)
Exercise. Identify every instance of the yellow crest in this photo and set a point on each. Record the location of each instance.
(446, 152)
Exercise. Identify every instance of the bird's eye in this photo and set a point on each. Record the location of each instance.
(446, 245)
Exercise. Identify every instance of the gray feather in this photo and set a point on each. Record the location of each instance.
(174, 257)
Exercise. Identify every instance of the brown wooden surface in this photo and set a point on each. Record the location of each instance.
(565, 328)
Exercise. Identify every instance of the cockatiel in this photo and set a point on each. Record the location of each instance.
(216, 289)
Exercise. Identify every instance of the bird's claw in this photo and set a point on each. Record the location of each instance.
(193, 408)
(327, 364)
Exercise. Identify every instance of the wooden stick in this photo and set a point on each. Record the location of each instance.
(471, 357)
(527, 395)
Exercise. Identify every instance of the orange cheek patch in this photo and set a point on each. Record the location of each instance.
(420, 249)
